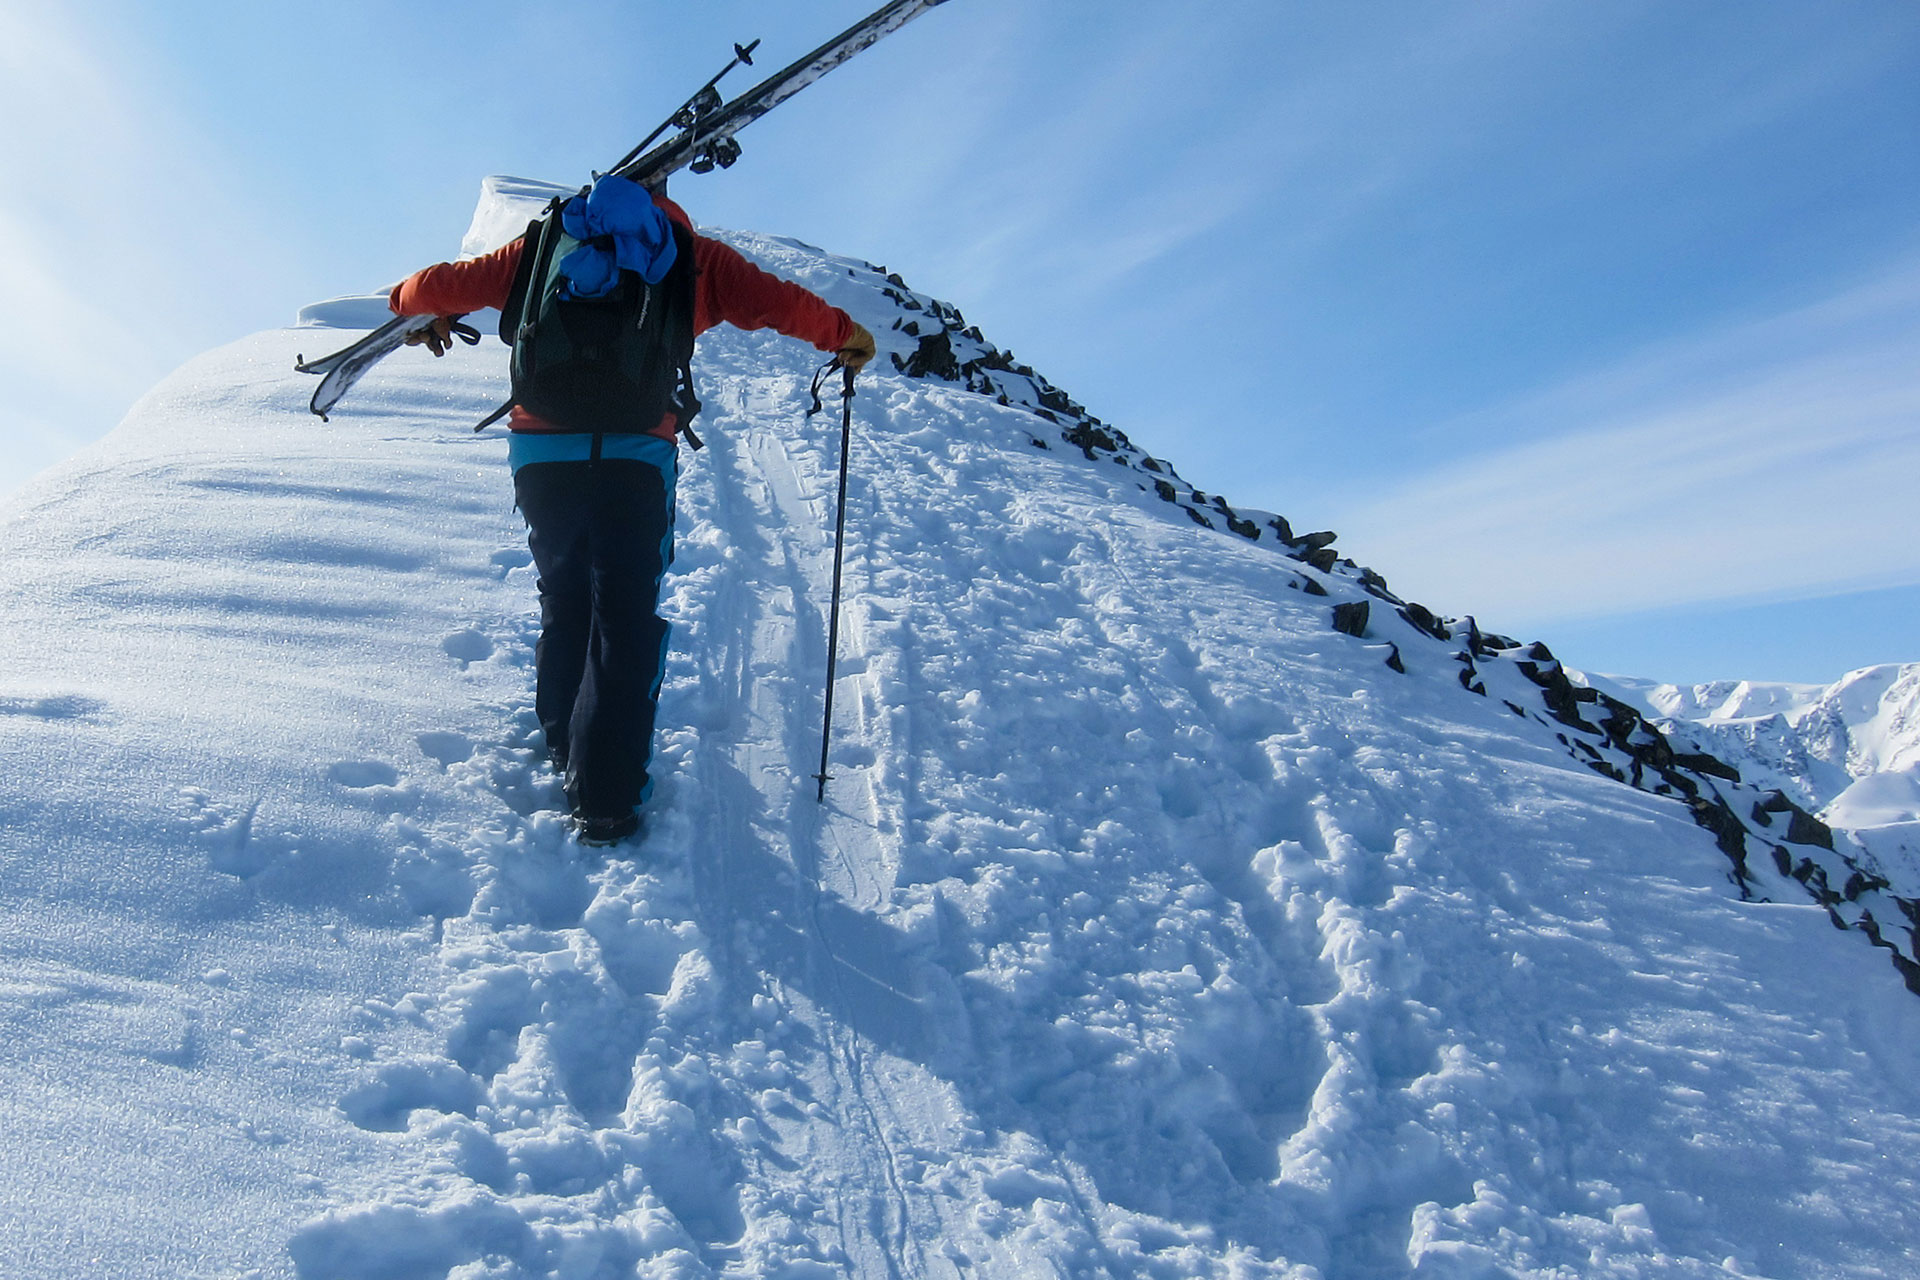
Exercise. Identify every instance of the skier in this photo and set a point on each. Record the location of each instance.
(599, 513)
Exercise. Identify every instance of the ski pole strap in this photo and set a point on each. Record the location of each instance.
(820, 377)
(465, 332)
(492, 418)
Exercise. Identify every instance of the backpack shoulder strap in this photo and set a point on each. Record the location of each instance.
(680, 283)
(531, 244)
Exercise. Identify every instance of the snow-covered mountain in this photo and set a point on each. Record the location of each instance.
(1835, 746)
(1849, 752)
(1185, 905)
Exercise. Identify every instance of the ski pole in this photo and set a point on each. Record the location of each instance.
(839, 553)
(703, 103)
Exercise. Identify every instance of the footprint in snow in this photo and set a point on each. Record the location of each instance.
(507, 559)
(359, 775)
(227, 833)
(467, 646)
(447, 748)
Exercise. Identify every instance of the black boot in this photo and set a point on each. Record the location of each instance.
(600, 832)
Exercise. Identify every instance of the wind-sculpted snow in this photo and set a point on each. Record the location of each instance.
(1153, 926)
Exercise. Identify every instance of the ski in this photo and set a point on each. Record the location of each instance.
(705, 142)
(709, 143)
(339, 371)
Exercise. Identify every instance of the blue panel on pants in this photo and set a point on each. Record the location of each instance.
(527, 447)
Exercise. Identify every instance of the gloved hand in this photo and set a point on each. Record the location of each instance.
(436, 337)
(858, 349)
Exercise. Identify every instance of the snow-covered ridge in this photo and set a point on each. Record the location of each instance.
(1848, 752)
(1775, 846)
(1777, 849)
(1185, 906)
(1877, 892)
(1819, 739)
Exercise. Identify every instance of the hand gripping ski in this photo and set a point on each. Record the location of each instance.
(705, 141)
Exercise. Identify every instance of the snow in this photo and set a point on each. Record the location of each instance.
(1152, 927)
(1849, 751)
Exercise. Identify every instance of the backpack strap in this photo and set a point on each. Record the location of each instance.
(493, 417)
(516, 301)
(511, 309)
(685, 401)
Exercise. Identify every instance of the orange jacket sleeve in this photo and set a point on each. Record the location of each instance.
(734, 291)
(455, 288)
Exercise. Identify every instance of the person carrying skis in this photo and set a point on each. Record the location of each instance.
(598, 502)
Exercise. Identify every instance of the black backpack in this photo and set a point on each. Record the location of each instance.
(612, 365)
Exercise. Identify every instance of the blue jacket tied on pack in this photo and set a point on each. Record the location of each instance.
(620, 228)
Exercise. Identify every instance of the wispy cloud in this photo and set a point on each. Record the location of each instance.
(1772, 459)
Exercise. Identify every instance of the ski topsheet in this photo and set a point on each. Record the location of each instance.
(709, 137)
(343, 368)
(704, 143)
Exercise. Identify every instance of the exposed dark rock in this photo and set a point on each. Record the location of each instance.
(1057, 400)
(1166, 491)
(1700, 762)
(1315, 541)
(1469, 676)
(1087, 439)
(1558, 693)
(1864, 882)
(933, 358)
(1351, 618)
(1422, 619)
(1312, 588)
(1198, 518)
(1376, 585)
(1727, 832)
(1323, 560)
(1804, 828)
(1393, 659)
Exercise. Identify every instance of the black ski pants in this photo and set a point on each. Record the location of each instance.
(601, 534)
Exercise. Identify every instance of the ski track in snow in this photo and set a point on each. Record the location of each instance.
(1151, 928)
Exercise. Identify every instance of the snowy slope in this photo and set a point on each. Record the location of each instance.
(1848, 752)
(1154, 927)
(1821, 740)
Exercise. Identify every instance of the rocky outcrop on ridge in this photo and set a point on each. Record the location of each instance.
(1777, 849)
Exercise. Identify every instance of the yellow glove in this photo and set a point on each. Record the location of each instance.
(858, 349)
(436, 337)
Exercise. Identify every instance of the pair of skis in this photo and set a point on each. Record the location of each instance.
(705, 140)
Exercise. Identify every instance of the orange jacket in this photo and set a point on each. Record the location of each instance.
(726, 288)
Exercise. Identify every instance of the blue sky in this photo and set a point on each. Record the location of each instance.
(1598, 321)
